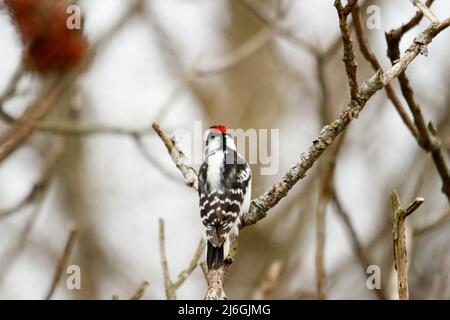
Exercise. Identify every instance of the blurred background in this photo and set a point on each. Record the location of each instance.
(94, 161)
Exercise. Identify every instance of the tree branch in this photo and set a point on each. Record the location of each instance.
(427, 135)
(273, 24)
(178, 157)
(192, 265)
(170, 291)
(423, 230)
(40, 186)
(170, 286)
(426, 11)
(64, 260)
(371, 57)
(270, 281)
(216, 280)
(349, 55)
(398, 232)
(140, 291)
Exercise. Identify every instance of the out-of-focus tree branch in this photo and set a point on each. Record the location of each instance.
(270, 281)
(39, 187)
(275, 26)
(170, 286)
(12, 253)
(64, 260)
(432, 226)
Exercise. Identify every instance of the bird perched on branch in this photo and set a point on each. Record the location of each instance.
(225, 193)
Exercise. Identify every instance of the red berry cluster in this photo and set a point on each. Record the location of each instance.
(49, 44)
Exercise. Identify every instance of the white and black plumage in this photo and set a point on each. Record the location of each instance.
(225, 193)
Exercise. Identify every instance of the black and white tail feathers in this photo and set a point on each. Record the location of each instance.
(214, 256)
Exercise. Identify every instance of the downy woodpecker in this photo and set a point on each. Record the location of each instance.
(224, 192)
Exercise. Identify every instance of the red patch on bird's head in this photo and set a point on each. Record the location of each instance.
(219, 129)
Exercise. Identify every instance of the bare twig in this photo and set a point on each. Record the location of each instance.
(11, 88)
(427, 135)
(140, 291)
(242, 53)
(170, 286)
(39, 187)
(357, 247)
(178, 157)
(192, 265)
(370, 56)
(398, 232)
(170, 292)
(15, 136)
(411, 23)
(273, 23)
(64, 260)
(349, 55)
(324, 199)
(270, 281)
(423, 230)
(426, 11)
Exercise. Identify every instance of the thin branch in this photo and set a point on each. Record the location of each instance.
(411, 23)
(11, 88)
(170, 292)
(423, 230)
(371, 57)
(178, 157)
(413, 206)
(12, 253)
(64, 260)
(398, 232)
(14, 137)
(356, 243)
(50, 161)
(140, 291)
(242, 53)
(426, 11)
(39, 187)
(427, 135)
(192, 265)
(170, 286)
(324, 199)
(349, 55)
(270, 281)
(135, 8)
(273, 23)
